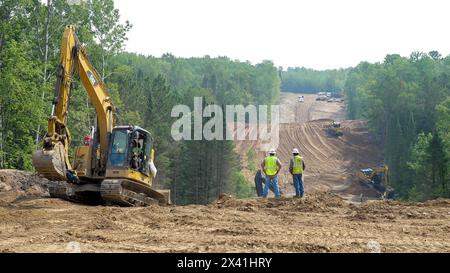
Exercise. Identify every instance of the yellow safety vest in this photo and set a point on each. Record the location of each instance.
(271, 165)
(298, 165)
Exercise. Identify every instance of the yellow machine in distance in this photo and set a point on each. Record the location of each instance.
(378, 179)
(334, 129)
(115, 165)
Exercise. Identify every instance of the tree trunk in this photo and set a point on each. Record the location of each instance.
(1, 47)
(103, 64)
(207, 172)
(174, 182)
(220, 167)
(2, 164)
(197, 182)
(2, 34)
(45, 59)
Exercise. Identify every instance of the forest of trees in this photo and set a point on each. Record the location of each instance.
(305, 80)
(143, 88)
(407, 104)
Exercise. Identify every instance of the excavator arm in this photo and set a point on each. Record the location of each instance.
(52, 160)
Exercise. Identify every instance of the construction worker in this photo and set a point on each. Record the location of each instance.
(271, 166)
(296, 168)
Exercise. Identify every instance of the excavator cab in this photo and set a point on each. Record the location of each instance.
(131, 147)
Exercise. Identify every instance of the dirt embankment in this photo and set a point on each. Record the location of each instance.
(16, 185)
(322, 222)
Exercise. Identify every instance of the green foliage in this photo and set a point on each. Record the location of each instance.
(430, 163)
(304, 80)
(405, 101)
(158, 120)
(19, 90)
(251, 160)
(420, 165)
(204, 169)
(241, 187)
(105, 24)
(30, 37)
(111, 35)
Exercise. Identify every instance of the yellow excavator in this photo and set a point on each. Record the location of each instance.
(378, 179)
(115, 165)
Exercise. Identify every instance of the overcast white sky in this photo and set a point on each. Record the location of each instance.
(317, 34)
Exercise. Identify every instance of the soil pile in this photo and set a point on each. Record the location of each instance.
(18, 185)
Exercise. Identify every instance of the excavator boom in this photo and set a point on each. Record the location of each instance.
(52, 161)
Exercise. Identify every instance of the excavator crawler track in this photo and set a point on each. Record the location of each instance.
(130, 193)
(114, 192)
(58, 189)
(121, 192)
(63, 190)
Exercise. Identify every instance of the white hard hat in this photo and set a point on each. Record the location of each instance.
(272, 151)
(295, 151)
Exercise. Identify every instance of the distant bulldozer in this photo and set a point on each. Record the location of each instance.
(334, 129)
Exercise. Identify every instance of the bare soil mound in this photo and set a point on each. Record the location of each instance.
(315, 202)
(18, 185)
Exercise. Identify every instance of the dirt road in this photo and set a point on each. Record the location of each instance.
(293, 111)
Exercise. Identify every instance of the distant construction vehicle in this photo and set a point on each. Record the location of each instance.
(334, 129)
(321, 98)
(378, 179)
(115, 164)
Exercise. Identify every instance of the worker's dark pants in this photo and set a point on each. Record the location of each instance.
(276, 189)
(298, 184)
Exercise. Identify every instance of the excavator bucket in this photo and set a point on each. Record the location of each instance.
(51, 163)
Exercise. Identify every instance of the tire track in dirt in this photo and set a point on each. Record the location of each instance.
(318, 154)
(304, 148)
(333, 154)
(331, 170)
(310, 154)
(318, 132)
